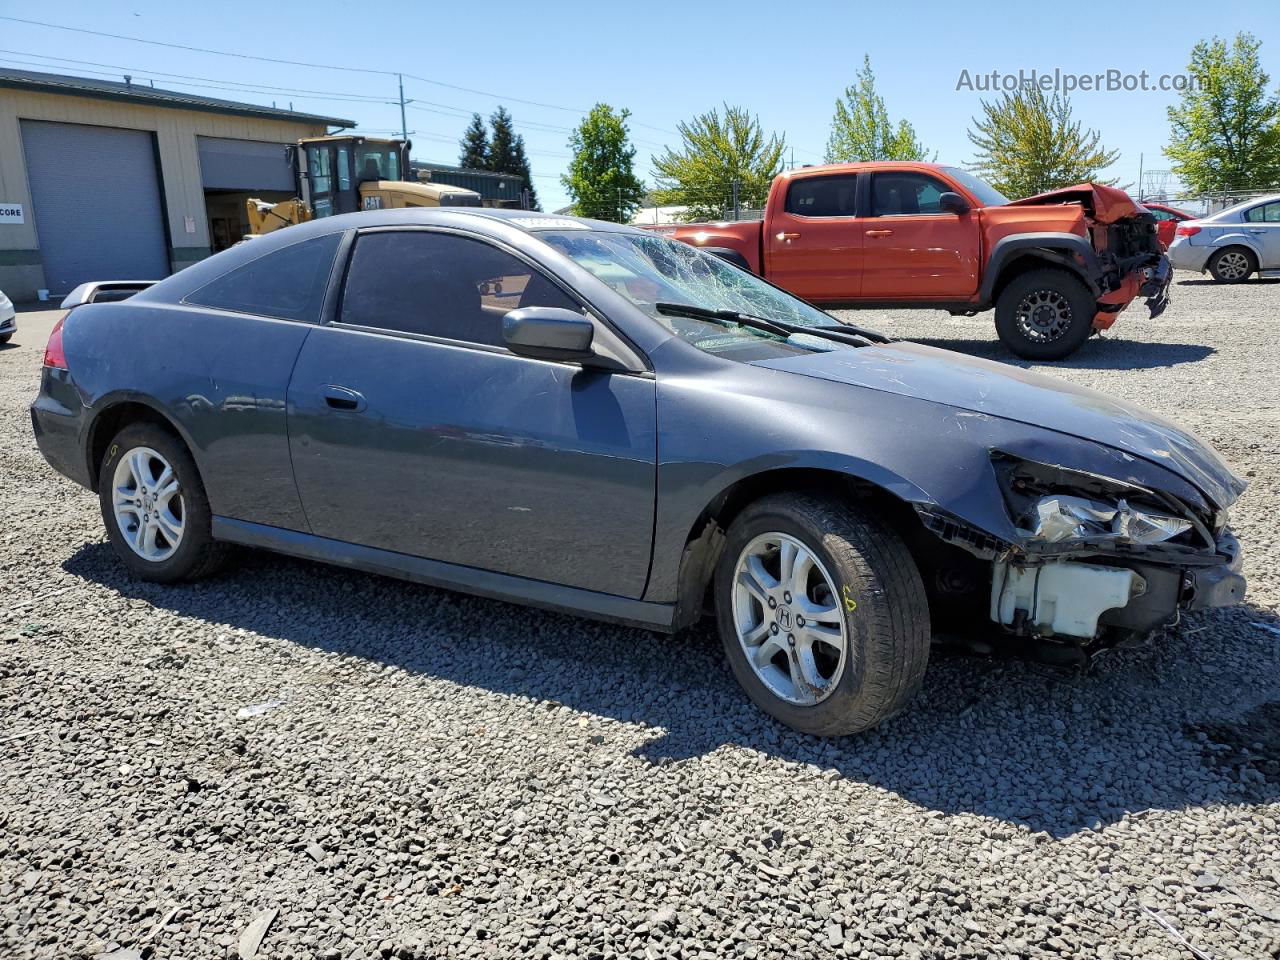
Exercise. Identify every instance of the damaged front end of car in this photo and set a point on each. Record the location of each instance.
(1095, 562)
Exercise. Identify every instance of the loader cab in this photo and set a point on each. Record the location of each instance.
(331, 170)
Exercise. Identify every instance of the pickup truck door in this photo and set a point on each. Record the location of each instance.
(813, 244)
(913, 248)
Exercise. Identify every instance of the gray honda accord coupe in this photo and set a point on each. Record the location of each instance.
(595, 419)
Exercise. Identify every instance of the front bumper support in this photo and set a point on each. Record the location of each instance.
(1156, 286)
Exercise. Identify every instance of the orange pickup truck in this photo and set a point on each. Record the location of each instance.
(1056, 267)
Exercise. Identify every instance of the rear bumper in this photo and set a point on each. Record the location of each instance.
(1185, 256)
(57, 420)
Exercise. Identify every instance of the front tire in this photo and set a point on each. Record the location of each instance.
(1232, 265)
(822, 613)
(154, 506)
(1045, 314)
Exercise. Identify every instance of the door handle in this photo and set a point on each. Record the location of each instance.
(879, 233)
(1257, 229)
(342, 398)
(788, 236)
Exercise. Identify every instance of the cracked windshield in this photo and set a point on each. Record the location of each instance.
(650, 270)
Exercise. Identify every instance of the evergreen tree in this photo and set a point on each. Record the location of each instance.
(507, 154)
(474, 154)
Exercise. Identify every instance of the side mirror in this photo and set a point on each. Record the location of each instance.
(952, 203)
(548, 333)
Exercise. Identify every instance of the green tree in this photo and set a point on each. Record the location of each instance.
(474, 154)
(861, 129)
(715, 153)
(507, 154)
(601, 178)
(1028, 143)
(1226, 129)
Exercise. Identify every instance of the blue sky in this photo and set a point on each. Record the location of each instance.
(665, 61)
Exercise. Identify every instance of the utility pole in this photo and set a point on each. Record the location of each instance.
(1139, 177)
(404, 127)
(737, 210)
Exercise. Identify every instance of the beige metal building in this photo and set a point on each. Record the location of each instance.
(118, 180)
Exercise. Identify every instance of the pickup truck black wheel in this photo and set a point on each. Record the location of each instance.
(1045, 314)
(1232, 265)
(154, 506)
(822, 613)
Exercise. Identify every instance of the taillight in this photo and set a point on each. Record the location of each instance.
(1186, 230)
(53, 354)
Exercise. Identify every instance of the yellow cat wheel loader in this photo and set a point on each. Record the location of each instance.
(343, 174)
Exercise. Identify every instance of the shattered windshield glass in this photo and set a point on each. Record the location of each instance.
(649, 270)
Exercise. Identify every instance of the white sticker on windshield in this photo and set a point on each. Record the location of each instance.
(548, 223)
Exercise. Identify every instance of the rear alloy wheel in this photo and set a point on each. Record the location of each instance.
(1045, 314)
(154, 506)
(822, 614)
(1232, 265)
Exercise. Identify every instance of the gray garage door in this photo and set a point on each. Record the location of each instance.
(244, 165)
(97, 203)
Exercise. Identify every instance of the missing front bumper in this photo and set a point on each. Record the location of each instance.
(1080, 600)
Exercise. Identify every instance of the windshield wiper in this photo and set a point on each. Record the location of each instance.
(723, 317)
(778, 328)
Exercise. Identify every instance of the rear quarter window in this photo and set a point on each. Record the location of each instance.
(288, 283)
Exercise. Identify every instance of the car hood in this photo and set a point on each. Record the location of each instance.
(1105, 204)
(1011, 393)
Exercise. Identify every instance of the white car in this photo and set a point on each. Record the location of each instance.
(1232, 244)
(8, 319)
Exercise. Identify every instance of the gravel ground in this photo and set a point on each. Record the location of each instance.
(441, 776)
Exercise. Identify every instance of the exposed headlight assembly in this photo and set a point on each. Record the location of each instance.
(1060, 518)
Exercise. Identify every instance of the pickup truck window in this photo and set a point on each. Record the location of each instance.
(905, 194)
(823, 196)
(988, 196)
(649, 269)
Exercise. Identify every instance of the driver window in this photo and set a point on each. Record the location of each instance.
(905, 194)
(441, 285)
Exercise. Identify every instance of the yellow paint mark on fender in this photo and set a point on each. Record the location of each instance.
(850, 604)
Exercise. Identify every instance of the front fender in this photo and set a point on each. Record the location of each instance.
(729, 423)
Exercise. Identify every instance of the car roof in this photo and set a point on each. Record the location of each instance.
(1248, 204)
(497, 224)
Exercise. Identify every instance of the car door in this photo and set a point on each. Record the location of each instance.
(813, 247)
(413, 429)
(1263, 225)
(914, 249)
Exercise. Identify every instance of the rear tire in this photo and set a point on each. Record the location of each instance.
(860, 585)
(154, 507)
(1232, 265)
(1045, 314)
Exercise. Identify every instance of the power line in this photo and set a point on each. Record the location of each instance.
(292, 63)
(252, 87)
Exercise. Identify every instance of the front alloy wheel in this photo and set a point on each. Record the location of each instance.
(822, 613)
(787, 620)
